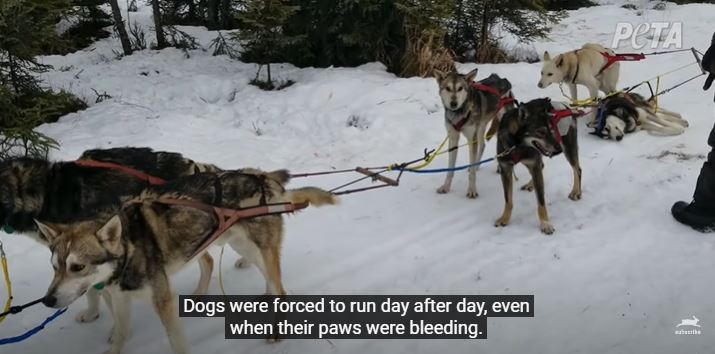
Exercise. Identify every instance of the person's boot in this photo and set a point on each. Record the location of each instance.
(700, 213)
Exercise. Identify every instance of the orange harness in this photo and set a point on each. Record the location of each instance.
(229, 217)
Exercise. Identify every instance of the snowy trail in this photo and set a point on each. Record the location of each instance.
(616, 277)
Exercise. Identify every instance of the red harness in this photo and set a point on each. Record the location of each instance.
(557, 116)
(226, 217)
(612, 59)
(503, 101)
(155, 181)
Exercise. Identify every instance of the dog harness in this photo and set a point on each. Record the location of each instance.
(561, 121)
(228, 217)
(612, 59)
(503, 102)
(152, 180)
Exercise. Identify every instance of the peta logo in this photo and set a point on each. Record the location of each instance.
(688, 322)
(666, 35)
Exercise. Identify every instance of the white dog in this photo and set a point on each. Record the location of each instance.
(588, 66)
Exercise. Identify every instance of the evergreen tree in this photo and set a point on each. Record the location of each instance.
(472, 36)
(27, 26)
(261, 36)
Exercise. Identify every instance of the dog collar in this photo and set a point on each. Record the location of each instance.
(99, 286)
(8, 229)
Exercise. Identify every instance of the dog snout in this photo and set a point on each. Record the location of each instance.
(49, 301)
(540, 85)
(453, 104)
(619, 137)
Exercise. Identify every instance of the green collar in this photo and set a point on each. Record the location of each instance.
(99, 286)
(8, 229)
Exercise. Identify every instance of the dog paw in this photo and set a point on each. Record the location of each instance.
(87, 316)
(575, 195)
(501, 222)
(547, 229)
(529, 187)
(242, 263)
(443, 190)
(472, 193)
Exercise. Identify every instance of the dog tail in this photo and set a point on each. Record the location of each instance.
(709, 82)
(313, 196)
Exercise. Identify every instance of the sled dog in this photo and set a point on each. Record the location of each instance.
(468, 108)
(629, 112)
(586, 66)
(527, 133)
(63, 191)
(139, 246)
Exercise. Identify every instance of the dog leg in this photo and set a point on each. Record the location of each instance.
(507, 175)
(573, 90)
(121, 304)
(206, 264)
(593, 84)
(674, 118)
(473, 153)
(166, 307)
(453, 137)
(251, 254)
(659, 126)
(92, 312)
(536, 170)
(571, 153)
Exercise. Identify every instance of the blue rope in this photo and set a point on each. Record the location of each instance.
(33, 331)
(442, 170)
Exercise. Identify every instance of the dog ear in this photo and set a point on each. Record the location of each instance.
(560, 61)
(110, 234)
(439, 75)
(471, 75)
(547, 56)
(522, 112)
(48, 231)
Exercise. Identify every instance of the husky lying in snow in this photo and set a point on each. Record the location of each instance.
(148, 239)
(629, 112)
(586, 66)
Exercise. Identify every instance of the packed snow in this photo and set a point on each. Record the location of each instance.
(617, 276)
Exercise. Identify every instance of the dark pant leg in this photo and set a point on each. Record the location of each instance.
(704, 195)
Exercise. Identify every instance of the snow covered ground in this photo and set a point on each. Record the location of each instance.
(617, 276)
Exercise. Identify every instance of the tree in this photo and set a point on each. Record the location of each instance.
(27, 26)
(262, 36)
(473, 35)
(158, 25)
(121, 29)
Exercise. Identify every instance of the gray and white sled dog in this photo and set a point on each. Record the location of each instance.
(469, 107)
(135, 249)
